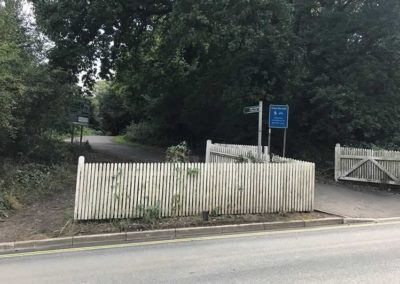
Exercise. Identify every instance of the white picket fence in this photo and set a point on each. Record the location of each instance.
(231, 153)
(128, 190)
(367, 165)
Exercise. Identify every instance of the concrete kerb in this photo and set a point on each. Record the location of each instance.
(350, 221)
(386, 220)
(168, 234)
(98, 239)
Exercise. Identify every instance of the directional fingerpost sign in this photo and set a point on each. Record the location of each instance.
(251, 109)
(278, 116)
(257, 109)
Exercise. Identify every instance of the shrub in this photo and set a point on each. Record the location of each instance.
(142, 132)
(178, 153)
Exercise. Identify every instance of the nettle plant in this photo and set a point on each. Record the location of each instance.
(178, 153)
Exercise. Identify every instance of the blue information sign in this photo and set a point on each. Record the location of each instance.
(278, 116)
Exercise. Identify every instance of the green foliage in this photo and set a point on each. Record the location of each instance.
(142, 132)
(193, 172)
(178, 154)
(187, 68)
(151, 213)
(24, 183)
(34, 96)
(110, 110)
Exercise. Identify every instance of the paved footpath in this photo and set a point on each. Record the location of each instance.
(358, 203)
(131, 153)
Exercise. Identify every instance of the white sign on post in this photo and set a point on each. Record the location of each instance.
(84, 120)
(257, 109)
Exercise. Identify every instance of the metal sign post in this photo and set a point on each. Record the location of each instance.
(278, 118)
(257, 109)
(259, 149)
(82, 122)
(72, 133)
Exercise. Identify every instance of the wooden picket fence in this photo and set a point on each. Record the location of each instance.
(367, 165)
(131, 190)
(231, 153)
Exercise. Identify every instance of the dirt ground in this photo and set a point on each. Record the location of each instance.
(46, 218)
(39, 220)
(53, 216)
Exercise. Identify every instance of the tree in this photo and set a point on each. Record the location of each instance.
(34, 96)
(187, 68)
(112, 114)
(350, 90)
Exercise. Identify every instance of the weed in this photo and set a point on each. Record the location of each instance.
(122, 225)
(176, 204)
(217, 211)
(193, 172)
(178, 153)
(150, 214)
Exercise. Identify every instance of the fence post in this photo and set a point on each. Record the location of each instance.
(337, 162)
(79, 176)
(208, 150)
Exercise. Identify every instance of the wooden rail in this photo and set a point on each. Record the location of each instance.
(231, 153)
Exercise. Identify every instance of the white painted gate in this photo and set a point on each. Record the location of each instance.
(367, 165)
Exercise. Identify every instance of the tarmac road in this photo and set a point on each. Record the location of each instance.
(346, 254)
(131, 153)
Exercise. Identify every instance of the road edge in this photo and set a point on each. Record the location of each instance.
(166, 234)
(175, 234)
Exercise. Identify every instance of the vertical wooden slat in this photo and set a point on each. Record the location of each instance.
(230, 189)
(130, 189)
(197, 203)
(88, 191)
(79, 187)
(127, 176)
(113, 184)
(96, 191)
(275, 186)
(99, 192)
(140, 190)
(121, 190)
(107, 191)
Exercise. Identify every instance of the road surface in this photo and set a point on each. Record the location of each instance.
(131, 153)
(346, 254)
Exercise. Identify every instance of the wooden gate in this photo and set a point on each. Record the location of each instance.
(366, 165)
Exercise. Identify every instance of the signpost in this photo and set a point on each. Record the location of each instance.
(251, 109)
(257, 109)
(82, 122)
(278, 118)
(80, 118)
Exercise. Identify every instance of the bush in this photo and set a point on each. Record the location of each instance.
(178, 153)
(142, 132)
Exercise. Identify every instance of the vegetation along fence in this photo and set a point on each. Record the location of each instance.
(366, 165)
(230, 153)
(130, 190)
